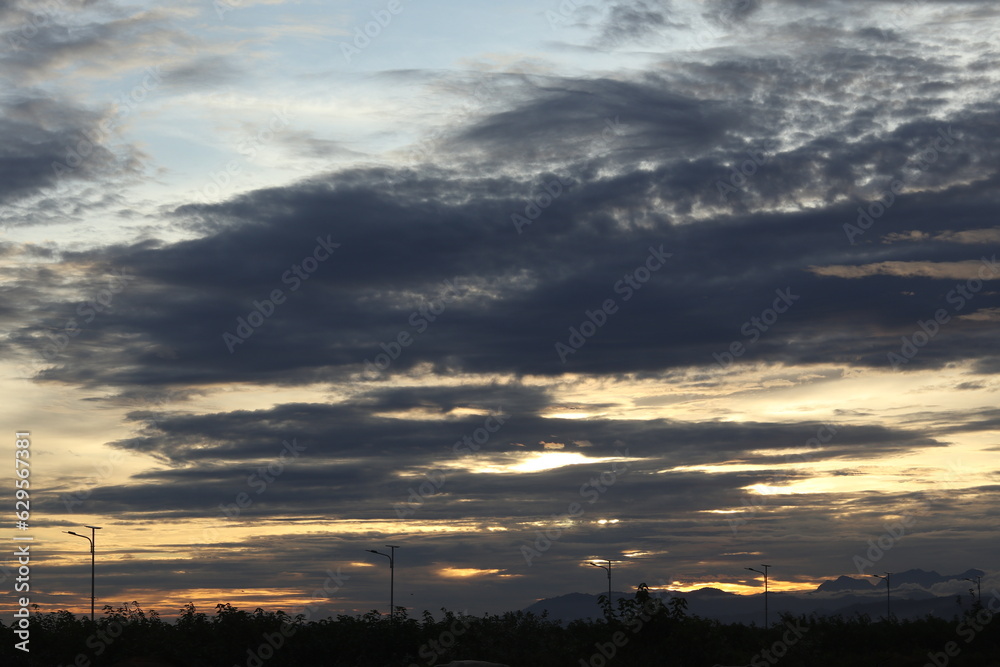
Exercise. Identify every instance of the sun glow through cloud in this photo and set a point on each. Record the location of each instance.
(536, 462)
(465, 572)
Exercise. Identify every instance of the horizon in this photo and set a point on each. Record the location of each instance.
(743, 591)
(689, 286)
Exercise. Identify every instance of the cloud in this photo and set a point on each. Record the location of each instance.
(968, 236)
(971, 236)
(502, 300)
(633, 21)
(52, 142)
(967, 270)
(983, 315)
(372, 452)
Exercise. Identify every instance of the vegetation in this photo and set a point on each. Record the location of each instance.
(645, 631)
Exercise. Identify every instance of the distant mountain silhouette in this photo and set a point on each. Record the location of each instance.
(845, 595)
(928, 579)
(573, 606)
(845, 583)
(921, 578)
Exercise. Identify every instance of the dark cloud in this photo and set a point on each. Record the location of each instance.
(519, 293)
(51, 143)
(505, 299)
(367, 455)
(627, 22)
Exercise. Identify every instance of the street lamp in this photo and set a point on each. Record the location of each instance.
(91, 540)
(392, 577)
(765, 588)
(888, 592)
(978, 581)
(608, 568)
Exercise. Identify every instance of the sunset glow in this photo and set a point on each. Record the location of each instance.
(304, 306)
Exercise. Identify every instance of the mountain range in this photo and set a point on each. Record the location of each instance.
(910, 597)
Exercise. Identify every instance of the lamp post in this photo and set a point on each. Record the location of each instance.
(978, 581)
(764, 572)
(392, 577)
(888, 593)
(608, 568)
(92, 559)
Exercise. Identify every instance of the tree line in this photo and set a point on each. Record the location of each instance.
(644, 631)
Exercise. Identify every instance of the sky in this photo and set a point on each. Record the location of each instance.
(688, 285)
